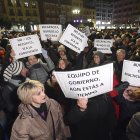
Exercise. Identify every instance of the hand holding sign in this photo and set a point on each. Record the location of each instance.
(12, 54)
(82, 103)
(74, 39)
(50, 31)
(86, 83)
(26, 46)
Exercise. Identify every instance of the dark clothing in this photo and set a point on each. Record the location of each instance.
(118, 69)
(42, 111)
(96, 122)
(55, 92)
(127, 109)
(84, 58)
(1, 133)
(133, 128)
(81, 61)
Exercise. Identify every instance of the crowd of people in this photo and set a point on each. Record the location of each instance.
(33, 106)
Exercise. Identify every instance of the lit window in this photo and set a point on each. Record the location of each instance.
(33, 4)
(26, 4)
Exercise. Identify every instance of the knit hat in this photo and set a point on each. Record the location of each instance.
(61, 48)
(13, 69)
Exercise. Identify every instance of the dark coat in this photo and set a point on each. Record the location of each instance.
(96, 122)
(55, 92)
(118, 69)
(127, 110)
(133, 128)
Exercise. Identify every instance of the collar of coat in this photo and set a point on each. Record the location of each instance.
(26, 110)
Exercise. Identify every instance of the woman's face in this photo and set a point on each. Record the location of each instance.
(61, 53)
(32, 60)
(96, 59)
(62, 64)
(39, 98)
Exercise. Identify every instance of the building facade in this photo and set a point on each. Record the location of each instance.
(63, 12)
(104, 10)
(20, 12)
(126, 13)
(30, 12)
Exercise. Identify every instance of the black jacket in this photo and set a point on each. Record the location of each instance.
(133, 128)
(95, 123)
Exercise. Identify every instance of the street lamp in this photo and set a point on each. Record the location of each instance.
(76, 11)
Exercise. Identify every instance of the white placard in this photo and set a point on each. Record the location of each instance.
(74, 39)
(86, 31)
(26, 46)
(86, 83)
(131, 72)
(52, 32)
(103, 45)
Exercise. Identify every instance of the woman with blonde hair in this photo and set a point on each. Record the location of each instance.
(40, 118)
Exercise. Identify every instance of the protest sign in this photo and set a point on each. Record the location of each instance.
(74, 39)
(52, 32)
(26, 46)
(86, 83)
(131, 72)
(86, 31)
(103, 45)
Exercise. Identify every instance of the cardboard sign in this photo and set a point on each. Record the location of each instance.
(103, 45)
(86, 83)
(131, 72)
(26, 46)
(74, 39)
(52, 32)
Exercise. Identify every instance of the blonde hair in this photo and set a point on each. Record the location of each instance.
(27, 90)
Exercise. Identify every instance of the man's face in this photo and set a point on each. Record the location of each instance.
(120, 56)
